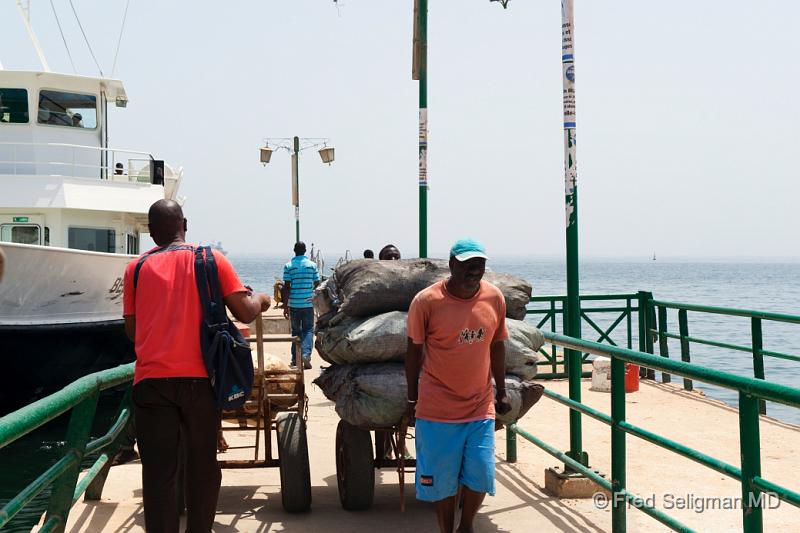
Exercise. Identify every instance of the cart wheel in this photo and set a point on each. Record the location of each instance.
(355, 467)
(293, 461)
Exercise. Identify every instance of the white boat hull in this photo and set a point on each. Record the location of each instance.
(48, 286)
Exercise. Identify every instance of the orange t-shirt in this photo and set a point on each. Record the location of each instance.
(455, 384)
(168, 313)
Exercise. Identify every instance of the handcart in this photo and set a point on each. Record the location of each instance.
(283, 412)
(356, 464)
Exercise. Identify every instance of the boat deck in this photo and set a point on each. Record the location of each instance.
(250, 499)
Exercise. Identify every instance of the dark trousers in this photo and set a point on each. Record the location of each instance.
(302, 321)
(168, 411)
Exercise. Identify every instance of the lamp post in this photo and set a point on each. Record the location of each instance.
(294, 146)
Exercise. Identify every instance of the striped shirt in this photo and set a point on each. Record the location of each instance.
(302, 274)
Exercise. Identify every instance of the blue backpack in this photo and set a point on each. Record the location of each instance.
(226, 352)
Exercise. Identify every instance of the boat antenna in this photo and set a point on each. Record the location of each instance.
(25, 11)
(58, 23)
(86, 39)
(119, 41)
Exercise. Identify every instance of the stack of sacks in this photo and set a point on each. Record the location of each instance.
(364, 338)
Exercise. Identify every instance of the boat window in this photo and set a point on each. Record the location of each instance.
(92, 239)
(46, 236)
(20, 233)
(131, 244)
(67, 109)
(14, 106)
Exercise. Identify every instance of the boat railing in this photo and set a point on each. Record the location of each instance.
(75, 161)
(80, 400)
(754, 487)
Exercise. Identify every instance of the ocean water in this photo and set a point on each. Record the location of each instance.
(771, 287)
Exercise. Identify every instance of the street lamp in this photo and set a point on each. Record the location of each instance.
(294, 146)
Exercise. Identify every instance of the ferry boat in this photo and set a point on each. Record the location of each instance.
(72, 210)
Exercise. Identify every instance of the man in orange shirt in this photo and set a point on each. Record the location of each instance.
(172, 394)
(459, 324)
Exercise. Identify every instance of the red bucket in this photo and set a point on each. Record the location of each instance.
(631, 377)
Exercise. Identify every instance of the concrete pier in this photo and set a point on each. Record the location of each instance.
(250, 499)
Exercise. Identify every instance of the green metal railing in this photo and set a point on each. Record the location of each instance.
(753, 486)
(656, 316)
(80, 397)
(548, 311)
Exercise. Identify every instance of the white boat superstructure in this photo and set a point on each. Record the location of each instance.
(64, 190)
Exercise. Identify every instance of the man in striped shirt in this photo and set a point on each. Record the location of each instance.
(300, 277)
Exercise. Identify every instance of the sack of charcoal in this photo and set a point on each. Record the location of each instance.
(374, 395)
(383, 338)
(366, 287)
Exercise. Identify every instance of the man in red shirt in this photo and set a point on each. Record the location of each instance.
(172, 394)
(459, 324)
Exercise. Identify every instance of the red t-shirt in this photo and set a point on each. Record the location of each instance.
(455, 384)
(168, 313)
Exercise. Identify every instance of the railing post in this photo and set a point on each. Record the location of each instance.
(80, 424)
(618, 502)
(511, 444)
(750, 445)
(663, 345)
(758, 356)
(554, 360)
(683, 326)
(645, 340)
(629, 312)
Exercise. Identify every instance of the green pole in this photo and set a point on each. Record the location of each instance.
(421, 74)
(296, 178)
(573, 311)
(750, 451)
(618, 468)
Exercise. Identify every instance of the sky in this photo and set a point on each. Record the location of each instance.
(686, 115)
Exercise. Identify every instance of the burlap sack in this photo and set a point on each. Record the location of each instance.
(366, 287)
(374, 395)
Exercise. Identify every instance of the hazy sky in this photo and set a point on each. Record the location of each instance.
(687, 117)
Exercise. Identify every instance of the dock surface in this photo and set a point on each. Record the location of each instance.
(250, 499)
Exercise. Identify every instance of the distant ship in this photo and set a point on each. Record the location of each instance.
(218, 247)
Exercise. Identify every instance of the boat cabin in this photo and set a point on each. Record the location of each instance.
(62, 184)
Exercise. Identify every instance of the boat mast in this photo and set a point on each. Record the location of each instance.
(25, 11)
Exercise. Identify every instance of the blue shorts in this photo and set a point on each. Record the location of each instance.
(453, 454)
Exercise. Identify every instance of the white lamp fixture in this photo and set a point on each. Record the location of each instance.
(266, 154)
(327, 154)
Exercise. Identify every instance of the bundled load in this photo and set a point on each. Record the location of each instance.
(366, 287)
(383, 338)
(374, 396)
(361, 331)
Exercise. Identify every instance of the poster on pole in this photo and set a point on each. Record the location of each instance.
(423, 147)
(570, 123)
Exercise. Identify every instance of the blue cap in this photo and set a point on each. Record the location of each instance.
(465, 249)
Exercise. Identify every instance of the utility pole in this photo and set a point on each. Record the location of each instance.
(296, 188)
(420, 72)
(572, 316)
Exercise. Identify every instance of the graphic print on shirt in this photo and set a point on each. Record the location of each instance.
(471, 336)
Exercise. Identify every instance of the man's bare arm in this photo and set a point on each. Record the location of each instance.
(498, 360)
(413, 367)
(130, 327)
(245, 307)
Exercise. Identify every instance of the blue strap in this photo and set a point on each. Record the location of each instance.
(208, 286)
